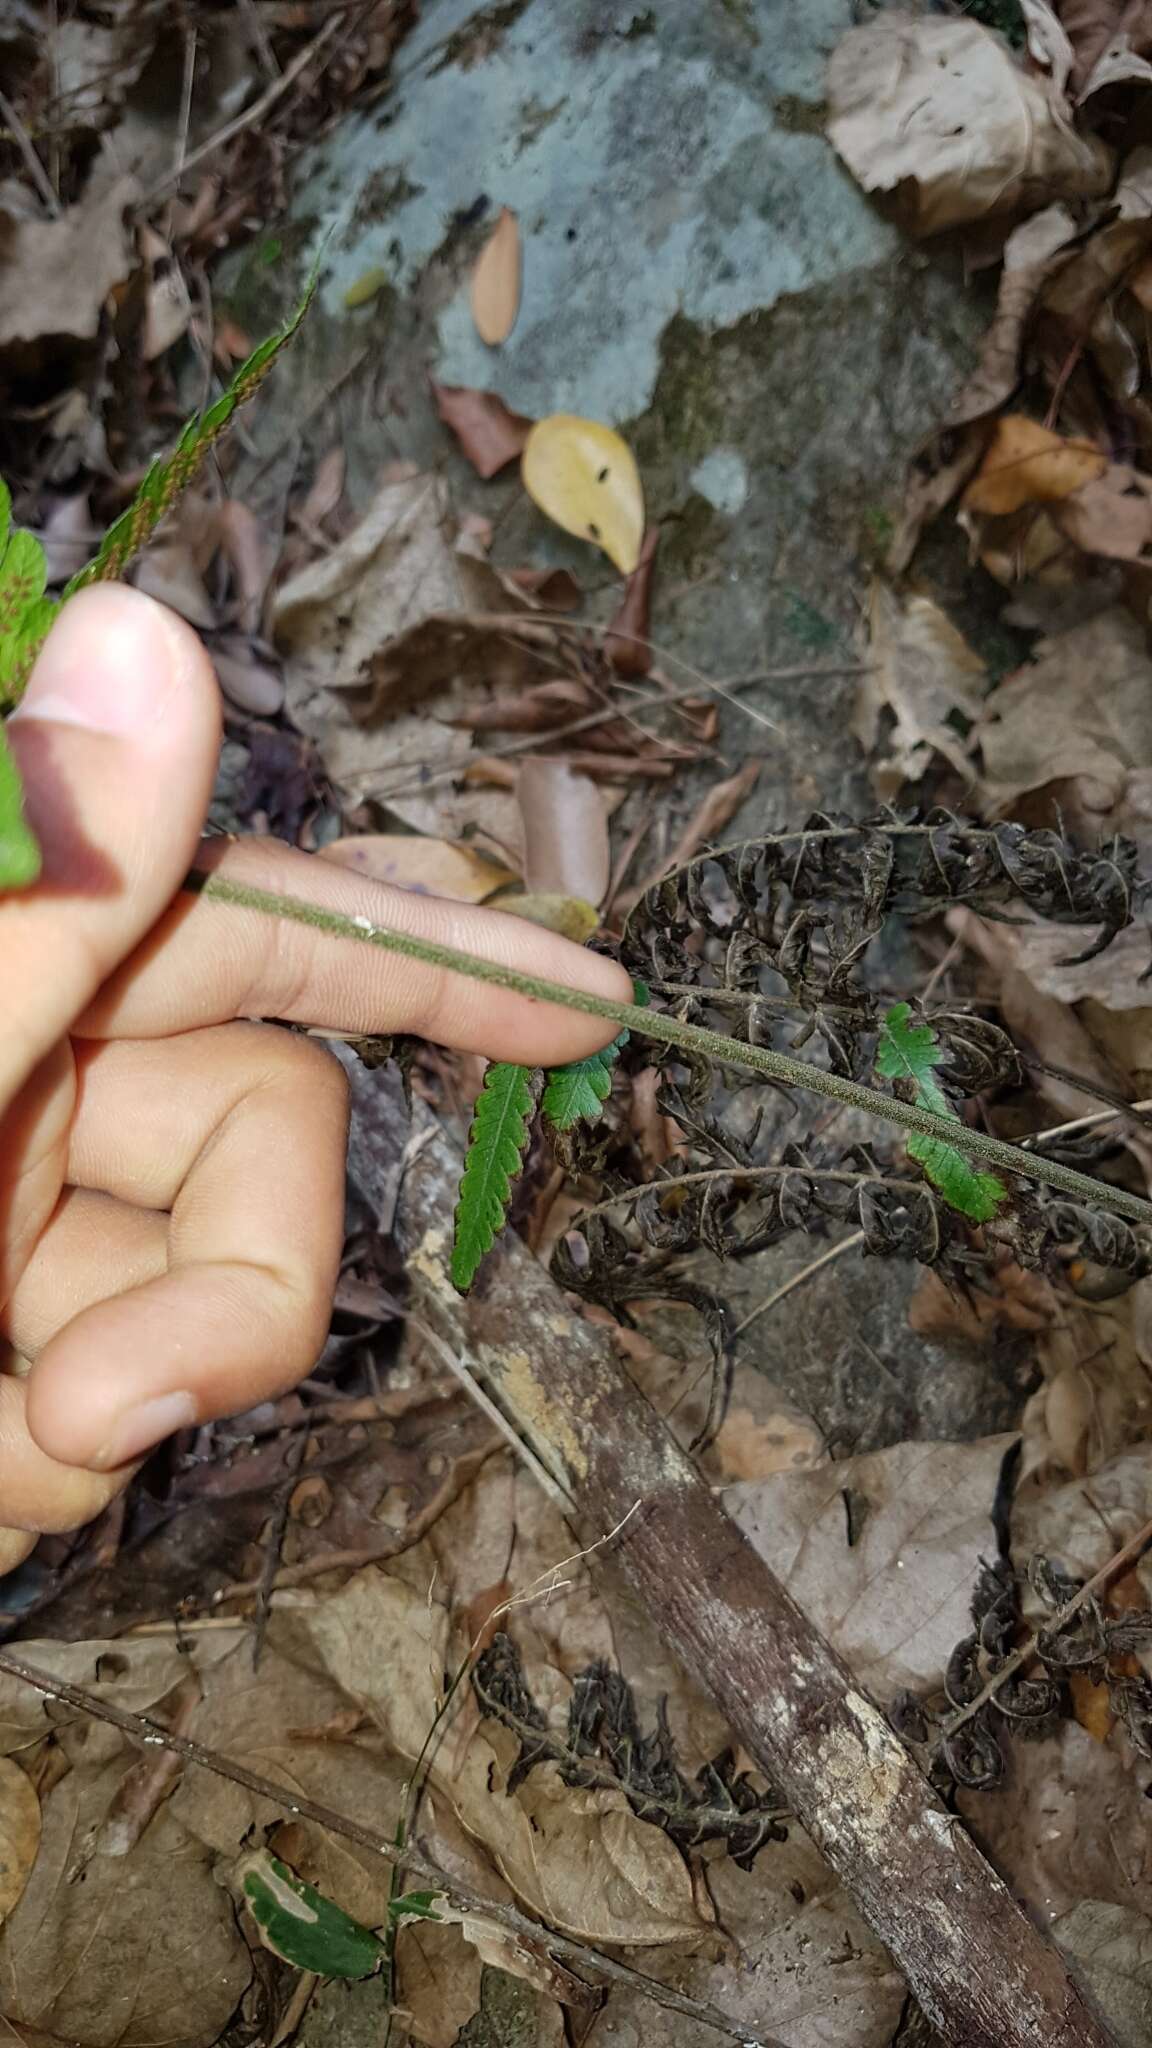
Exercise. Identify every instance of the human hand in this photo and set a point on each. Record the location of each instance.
(171, 1178)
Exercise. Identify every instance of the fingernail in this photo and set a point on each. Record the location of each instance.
(141, 1429)
(110, 665)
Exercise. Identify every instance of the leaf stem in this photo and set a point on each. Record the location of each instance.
(755, 1059)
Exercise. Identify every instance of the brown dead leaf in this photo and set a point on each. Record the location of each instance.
(540, 709)
(553, 590)
(894, 1602)
(1111, 516)
(19, 1833)
(745, 1448)
(626, 643)
(922, 671)
(1032, 253)
(431, 867)
(438, 1981)
(1101, 33)
(1011, 1296)
(939, 113)
(495, 291)
(566, 849)
(167, 307)
(1081, 709)
(489, 434)
(382, 640)
(578, 1857)
(55, 275)
(185, 1980)
(1027, 464)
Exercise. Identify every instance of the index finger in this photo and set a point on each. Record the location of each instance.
(206, 962)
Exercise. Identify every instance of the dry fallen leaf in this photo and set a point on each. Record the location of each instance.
(432, 867)
(381, 641)
(19, 1833)
(894, 1599)
(1112, 1949)
(496, 281)
(438, 1981)
(922, 670)
(489, 434)
(1027, 464)
(1101, 33)
(626, 641)
(1093, 687)
(55, 275)
(583, 476)
(566, 849)
(939, 113)
(167, 571)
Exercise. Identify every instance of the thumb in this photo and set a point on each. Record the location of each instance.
(116, 740)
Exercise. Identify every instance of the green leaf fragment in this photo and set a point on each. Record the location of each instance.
(911, 1052)
(580, 1090)
(497, 1143)
(19, 852)
(414, 1906)
(304, 1928)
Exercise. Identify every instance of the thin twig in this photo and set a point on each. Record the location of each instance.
(24, 144)
(187, 88)
(274, 1542)
(1084, 1123)
(585, 723)
(835, 1251)
(1134, 1548)
(142, 1729)
(256, 112)
(756, 1059)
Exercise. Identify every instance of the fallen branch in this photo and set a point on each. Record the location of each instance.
(984, 1975)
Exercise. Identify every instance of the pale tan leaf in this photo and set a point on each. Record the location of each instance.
(437, 1981)
(55, 275)
(584, 476)
(167, 571)
(895, 1601)
(249, 683)
(1027, 464)
(19, 1833)
(566, 850)
(1094, 685)
(921, 670)
(496, 281)
(939, 113)
(430, 866)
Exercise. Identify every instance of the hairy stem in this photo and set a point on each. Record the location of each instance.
(755, 1059)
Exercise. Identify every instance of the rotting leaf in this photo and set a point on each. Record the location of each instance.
(490, 435)
(921, 670)
(301, 1926)
(566, 845)
(584, 477)
(497, 1142)
(495, 291)
(603, 1744)
(912, 1053)
(19, 1832)
(939, 113)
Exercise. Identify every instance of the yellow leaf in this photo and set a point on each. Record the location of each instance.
(496, 281)
(1027, 464)
(432, 867)
(571, 916)
(585, 478)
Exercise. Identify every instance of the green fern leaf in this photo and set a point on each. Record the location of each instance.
(912, 1053)
(496, 1146)
(580, 1090)
(19, 853)
(170, 475)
